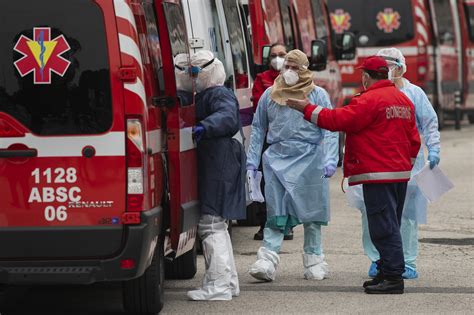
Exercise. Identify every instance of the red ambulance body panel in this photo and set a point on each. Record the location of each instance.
(378, 24)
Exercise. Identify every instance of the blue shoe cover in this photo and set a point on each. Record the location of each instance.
(410, 273)
(373, 270)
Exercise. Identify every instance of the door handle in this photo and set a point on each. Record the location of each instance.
(9, 153)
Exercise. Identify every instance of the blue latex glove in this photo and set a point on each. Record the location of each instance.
(251, 170)
(329, 170)
(433, 158)
(198, 132)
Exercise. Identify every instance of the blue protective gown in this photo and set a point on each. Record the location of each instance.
(294, 161)
(415, 208)
(221, 159)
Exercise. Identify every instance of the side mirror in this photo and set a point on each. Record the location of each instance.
(346, 47)
(319, 55)
(266, 55)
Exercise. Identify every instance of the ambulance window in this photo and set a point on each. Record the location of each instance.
(54, 75)
(320, 19)
(469, 9)
(444, 21)
(154, 43)
(287, 24)
(179, 46)
(237, 44)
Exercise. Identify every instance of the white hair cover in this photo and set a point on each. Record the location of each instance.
(210, 76)
(393, 53)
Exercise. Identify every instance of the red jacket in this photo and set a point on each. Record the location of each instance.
(382, 140)
(262, 82)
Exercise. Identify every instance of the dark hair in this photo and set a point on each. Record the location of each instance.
(277, 44)
(376, 75)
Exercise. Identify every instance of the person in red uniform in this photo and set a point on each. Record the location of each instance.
(382, 143)
(262, 82)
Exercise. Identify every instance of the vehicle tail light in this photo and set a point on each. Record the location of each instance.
(135, 165)
(127, 264)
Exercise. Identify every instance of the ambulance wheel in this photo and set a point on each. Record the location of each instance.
(252, 215)
(471, 118)
(441, 117)
(183, 267)
(145, 295)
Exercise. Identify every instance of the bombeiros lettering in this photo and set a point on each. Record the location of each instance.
(401, 112)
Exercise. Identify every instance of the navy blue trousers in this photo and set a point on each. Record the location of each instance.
(384, 204)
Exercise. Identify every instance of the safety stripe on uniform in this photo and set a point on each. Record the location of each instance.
(186, 141)
(110, 144)
(315, 115)
(379, 176)
(408, 51)
(154, 140)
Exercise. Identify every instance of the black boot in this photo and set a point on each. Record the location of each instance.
(259, 235)
(289, 236)
(378, 278)
(386, 287)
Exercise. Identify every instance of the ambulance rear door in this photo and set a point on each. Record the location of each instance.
(180, 118)
(62, 139)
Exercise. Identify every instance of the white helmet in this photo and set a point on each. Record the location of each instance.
(393, 56)
(210, 70)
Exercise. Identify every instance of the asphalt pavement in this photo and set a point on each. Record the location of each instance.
(445, 263)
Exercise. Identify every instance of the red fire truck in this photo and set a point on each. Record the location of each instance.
(404, 24)
(97, 163)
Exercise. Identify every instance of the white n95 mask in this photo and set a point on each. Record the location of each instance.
(277, 63)
(291, 77)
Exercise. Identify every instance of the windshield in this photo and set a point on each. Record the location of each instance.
(54, 70)
(374, 22)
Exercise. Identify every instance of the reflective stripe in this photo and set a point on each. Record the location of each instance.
(186, 141)
(379, 176)
(315, 115)
(154, 140)
(110, 144)
(407, 51)
(123, 10)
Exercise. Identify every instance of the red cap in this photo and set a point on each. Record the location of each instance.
(374, 63)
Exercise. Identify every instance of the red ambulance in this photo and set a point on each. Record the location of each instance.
(97, 163)
(404, 24)
(453, 23)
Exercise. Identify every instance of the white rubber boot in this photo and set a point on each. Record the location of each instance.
(234, 277)
(265, 267)
(315, 268)
(216, 283)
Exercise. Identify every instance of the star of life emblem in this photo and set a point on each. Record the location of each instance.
(340, 21)
(42, 55)
(388, 20)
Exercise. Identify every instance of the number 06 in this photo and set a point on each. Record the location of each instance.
(51, 213)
